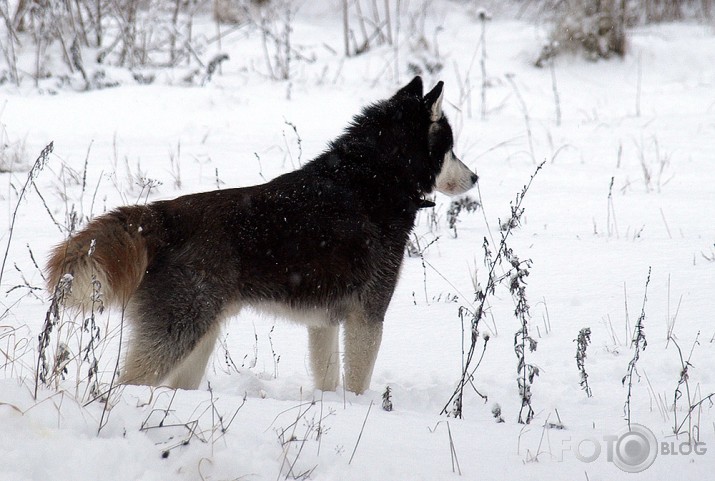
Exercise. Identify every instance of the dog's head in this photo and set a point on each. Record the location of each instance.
(449, 175)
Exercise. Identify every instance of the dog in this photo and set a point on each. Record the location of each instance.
(321, 245)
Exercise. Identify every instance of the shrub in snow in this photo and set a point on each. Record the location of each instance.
(387, 399)
(669, 10)
(12, 153)
(496, 412)
(594, 27)
(228, 11)
(467, 204)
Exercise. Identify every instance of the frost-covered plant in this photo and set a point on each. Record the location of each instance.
(523, 342)
(467, 204)
(387, 399)
(582, 341)
(274, 22)
(52, 320)
(516, 272)
(86, 341)
(376, 26)
(639, 344)
(91, 327)
(496, 412)
(37, 167)
(128, 33)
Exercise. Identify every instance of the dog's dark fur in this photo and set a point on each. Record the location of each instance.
(323, 244)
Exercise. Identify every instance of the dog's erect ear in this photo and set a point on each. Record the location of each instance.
(433, 101)
(412, 89)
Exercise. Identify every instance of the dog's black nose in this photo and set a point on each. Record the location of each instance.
(475, 178)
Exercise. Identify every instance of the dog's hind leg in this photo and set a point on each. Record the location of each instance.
(362, 342)
(324, 356)
(190, 371)
(175, 327)
(176, 360)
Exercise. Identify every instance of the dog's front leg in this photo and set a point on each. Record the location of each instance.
(324, 356)
(362, 342)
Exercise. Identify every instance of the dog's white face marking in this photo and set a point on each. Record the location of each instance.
(455, 177)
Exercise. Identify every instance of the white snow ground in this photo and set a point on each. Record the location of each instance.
(590, 262)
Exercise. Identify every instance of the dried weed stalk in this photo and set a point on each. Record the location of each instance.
(516, 273)
(582, 341)
(639, 344)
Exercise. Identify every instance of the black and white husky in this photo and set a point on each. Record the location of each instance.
(321, 245)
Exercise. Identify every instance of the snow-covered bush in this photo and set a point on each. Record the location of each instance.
(595, 27)
(75, 41)
(598, 27)
(669, 10)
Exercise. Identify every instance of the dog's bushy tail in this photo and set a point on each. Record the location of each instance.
(106, 260)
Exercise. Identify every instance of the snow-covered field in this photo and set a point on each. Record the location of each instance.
(627, 186)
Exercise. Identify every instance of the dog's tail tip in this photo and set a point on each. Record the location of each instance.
(76, 281)
(101, 265)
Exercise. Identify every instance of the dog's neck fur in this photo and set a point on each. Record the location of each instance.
(379, 152)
